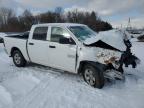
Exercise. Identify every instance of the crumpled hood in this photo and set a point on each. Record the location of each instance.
(113, 38)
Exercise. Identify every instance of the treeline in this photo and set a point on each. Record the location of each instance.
(9, 22)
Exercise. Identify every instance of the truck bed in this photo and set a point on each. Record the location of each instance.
(20, 36)
(19, 41)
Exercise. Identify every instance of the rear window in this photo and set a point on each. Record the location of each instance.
(40, 33)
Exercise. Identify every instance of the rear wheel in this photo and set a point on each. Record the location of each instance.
(93, 76)
(18, 59)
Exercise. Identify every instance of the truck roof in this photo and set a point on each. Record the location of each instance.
(59, 24)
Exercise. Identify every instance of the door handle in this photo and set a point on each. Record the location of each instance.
(52, 46)
(31, 43)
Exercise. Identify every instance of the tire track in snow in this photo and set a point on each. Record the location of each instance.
(39, 96)
(37, 93)
(3, 59)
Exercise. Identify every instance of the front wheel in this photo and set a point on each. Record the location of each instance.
(18, 59)
(93, 76)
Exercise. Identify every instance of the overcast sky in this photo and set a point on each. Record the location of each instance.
(116, 12)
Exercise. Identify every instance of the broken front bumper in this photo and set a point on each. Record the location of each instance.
(115, 69)
(127, 58)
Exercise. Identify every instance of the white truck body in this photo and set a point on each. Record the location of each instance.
(68, 57)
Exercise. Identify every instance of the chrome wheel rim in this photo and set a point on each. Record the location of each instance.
(89, 77)
(17, 58)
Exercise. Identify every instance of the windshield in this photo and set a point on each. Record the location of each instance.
(82, 32)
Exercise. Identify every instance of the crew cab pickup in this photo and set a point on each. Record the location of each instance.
(74, 48)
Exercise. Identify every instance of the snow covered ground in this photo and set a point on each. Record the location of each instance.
(41, 87)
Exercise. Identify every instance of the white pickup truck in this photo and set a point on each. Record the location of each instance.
(74, 48)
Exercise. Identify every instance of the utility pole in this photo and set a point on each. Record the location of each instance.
(129, 27)
(121, 26)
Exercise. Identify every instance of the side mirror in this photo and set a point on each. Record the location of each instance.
(64, 40)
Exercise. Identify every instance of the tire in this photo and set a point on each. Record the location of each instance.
(18, 59)
(93, 76)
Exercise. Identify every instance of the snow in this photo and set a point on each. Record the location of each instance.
(41, 87)
(20, 85)
(5, 98)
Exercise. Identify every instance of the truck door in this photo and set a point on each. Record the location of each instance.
(62, 49)
(38, 46)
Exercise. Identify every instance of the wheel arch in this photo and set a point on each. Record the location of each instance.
(99, 66)
(13, 49)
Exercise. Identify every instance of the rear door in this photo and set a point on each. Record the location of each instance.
(38, 46)
(62, 56)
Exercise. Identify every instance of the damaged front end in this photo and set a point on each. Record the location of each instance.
(127, 58)
(115, 67)
(114, 58)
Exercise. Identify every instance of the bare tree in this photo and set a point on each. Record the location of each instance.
(59, 10)
(8, 19)
(58, 14)
(27, 19)
(6, 14)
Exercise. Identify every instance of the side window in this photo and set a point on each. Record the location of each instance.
(40, 33)
(57, 33)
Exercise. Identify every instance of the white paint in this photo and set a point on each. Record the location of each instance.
(2, 35)
(64, 56)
